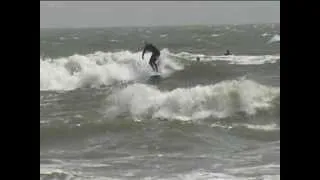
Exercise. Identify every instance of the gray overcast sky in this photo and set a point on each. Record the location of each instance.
(153, 13)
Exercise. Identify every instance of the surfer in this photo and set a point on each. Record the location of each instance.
(155, 55)
(227, 53)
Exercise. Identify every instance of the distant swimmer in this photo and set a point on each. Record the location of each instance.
(227, 53)
(198, 59)
(155, 55)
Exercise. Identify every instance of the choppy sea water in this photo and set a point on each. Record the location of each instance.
(103, 116)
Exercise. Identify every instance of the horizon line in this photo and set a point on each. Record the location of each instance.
(151, 26)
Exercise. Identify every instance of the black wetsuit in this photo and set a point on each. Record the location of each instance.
(155, 55)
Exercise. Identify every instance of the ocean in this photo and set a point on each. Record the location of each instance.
(104, 116)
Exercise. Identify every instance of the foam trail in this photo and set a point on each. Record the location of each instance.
(220, 100)
(205, 175)
(241, 60)
(262, 169)
(268, 127)
(100, 68)
(202, 175)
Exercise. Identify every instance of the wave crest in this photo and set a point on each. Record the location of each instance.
(218, 101)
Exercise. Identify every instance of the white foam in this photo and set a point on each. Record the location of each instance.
(271, 177)
(114, 40)
(202, 175)
(221, 126)
(100, 68)
(215, 35)
(49, 170)
(105, 68)
(163, 35)
(265, 34)
(245, 60)
(267, 127)
(70, 173)
(262, 169)
(274, 39)
(219, 100)
(54, 170)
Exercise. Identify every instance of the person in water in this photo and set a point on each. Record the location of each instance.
(227, 53)
(155, 55)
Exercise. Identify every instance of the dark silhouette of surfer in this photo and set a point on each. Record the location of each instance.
(228, 53)
(155, 55)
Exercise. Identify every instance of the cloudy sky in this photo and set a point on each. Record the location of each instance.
(62, 14)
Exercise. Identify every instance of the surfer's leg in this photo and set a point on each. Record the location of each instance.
(151, 64)
(153, 60)
(156, 66)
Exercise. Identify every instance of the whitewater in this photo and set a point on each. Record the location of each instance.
(106, 68)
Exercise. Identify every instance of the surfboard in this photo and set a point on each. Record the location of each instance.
(154, 74)
(154, 79)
